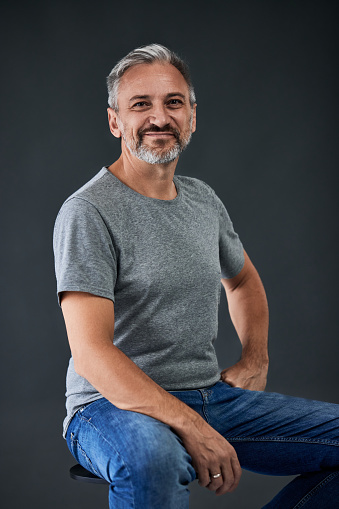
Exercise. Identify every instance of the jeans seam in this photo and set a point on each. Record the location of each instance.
(88, 421)
(316, 488)
(334, 443)
(79, 448)
(204, 410)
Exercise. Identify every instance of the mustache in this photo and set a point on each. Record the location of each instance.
(155, 129)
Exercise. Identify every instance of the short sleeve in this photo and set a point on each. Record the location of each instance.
(85, 259)
(231, 251)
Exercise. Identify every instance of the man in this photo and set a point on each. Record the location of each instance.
(140, 254)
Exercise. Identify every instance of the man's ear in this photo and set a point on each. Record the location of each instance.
(113, 123)
(194, 121)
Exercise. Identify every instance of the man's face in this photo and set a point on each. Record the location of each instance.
(155, 118)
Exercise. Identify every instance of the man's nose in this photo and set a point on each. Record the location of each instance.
(159, 116)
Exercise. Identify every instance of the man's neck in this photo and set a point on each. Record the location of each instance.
(152, 180)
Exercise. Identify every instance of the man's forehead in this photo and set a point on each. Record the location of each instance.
(152, 79)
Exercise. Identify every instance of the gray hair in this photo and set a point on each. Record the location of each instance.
(145, 55)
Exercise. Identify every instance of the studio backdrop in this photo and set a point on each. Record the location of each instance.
(266, 81)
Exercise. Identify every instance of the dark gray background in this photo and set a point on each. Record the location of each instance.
(266, 81)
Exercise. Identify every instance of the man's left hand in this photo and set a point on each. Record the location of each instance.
(245, 376)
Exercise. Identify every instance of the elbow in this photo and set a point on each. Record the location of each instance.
(79, 367)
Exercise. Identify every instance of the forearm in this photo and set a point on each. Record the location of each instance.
(125, 385)
(249, 313)
(248, 309)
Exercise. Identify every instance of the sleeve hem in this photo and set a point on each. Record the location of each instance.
(234, 272)
(99, 292)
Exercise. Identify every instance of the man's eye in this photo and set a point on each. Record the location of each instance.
(175, 102)
(139, 104)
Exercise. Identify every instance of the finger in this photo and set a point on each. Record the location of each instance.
(203, 477)
(225, 378)
(226, 478)
(231, 479)
(227, 483)
(215, 482)
(237, 473)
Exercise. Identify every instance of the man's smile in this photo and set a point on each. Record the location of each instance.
(157, 135)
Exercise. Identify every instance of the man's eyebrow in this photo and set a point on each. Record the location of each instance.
(175, 94)
(139, 97)
(172, 94)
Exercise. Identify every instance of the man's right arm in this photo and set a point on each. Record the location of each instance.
(90, 328)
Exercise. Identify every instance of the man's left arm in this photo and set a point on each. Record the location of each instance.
(248, 309)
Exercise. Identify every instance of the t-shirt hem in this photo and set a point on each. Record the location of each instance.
(192, 387)
(195, 387)
(70, 416)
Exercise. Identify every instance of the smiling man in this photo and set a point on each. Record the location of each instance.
(155, 125)
(167, 141)
(141, 255)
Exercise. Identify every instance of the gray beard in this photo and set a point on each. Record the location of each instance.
(154, 155)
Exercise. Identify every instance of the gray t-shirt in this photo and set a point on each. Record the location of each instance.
(160, 262)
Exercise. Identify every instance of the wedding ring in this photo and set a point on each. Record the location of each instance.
(215, 476)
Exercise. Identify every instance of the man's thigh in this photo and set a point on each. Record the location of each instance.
(272, 433)
(276, 434)
(122, 446)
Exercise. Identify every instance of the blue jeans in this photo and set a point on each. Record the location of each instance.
(147, 466)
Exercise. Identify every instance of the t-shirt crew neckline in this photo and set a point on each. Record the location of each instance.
(142, 196)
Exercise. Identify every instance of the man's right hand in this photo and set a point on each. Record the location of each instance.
(212, 454)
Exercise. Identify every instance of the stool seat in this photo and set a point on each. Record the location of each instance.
(79, 473)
